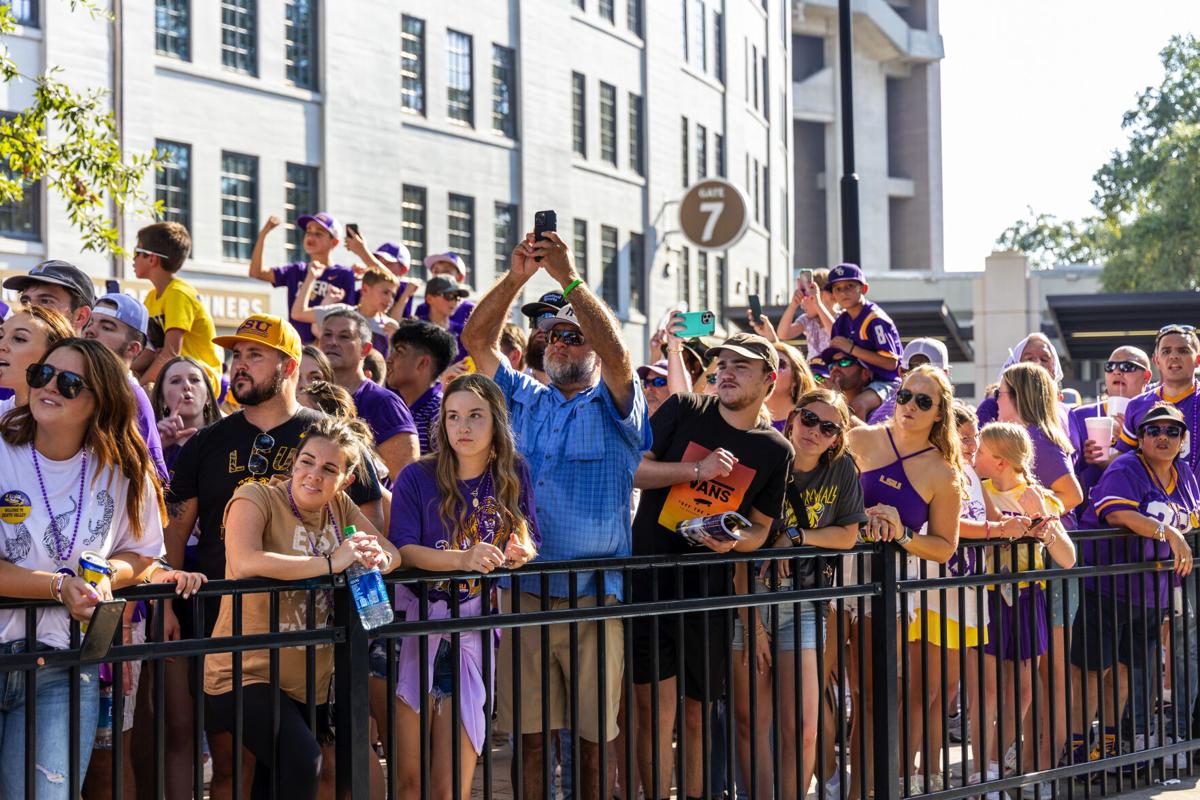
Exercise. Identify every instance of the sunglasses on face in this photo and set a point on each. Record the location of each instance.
(1124, 366)
(658, 381)
(843, 362)
(711, 378)
(260, 454)
(70, 384)
(924, 401)
(809, 419)
(1169, 431)
(451, 296)
(146, 252)
(569, 338)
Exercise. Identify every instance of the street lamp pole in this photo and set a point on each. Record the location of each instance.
(851, 249)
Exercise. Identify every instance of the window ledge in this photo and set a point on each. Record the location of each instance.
(165, 63)
(609, 171)
(459, 131)
(23, 247)
(703, 77)
(756, 115)
(27, 32)
(610, 28)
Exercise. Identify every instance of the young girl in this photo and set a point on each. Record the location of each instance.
(290, 529)
(466, 507)
(185, 400)
(24, 339)
(77, 477)
(1018, 628)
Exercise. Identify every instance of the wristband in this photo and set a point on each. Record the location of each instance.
(571, 286)
(329, 563)
(907, 537)
(56, 589)
(697, 470)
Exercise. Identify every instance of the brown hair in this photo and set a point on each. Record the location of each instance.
(55, 323)
(944, 435)
(373, 276)
(331, 399)
(212, 411)
(112, 435)
(314, 352)
(169, 239)
(351, 435)
(511, 338)
(802, 377)
(821, 278)
(375, 366)
(1035, 395)
(838, 403)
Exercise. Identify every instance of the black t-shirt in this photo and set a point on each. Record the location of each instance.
(212, 464)
(687, 427)
(831, 495)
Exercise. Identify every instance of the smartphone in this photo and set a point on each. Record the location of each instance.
(105, 622)
(755, 307)
(804, 281)
(696, 323)
(543, 222)
(352, 227)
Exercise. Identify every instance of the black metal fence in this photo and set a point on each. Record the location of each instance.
(899, 646)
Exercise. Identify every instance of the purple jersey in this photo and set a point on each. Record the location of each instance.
(872, 330)
(425, 412)
(292, 275)
(886, 411)
(1128, 484)
(1137, 408)
(458, 321)
(383, 411)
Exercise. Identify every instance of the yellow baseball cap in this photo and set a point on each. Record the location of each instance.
(266, 329)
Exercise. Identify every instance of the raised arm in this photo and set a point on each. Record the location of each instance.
(481, 335)
(256, 255)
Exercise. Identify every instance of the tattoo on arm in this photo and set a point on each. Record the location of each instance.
(176, 510)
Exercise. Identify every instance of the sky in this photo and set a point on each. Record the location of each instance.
(1033, 92)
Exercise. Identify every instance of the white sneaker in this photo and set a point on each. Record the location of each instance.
(833, 786)
(993, 774)
(1030, 792)
(1010, 758)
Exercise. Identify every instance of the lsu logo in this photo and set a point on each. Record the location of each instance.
(256, 327)
(892, 482)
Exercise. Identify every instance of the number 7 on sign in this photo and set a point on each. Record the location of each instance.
(713, 208)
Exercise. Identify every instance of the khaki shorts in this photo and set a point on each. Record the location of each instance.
(556, 685)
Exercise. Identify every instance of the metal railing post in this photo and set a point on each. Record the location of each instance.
(883, 674)
(351, 699)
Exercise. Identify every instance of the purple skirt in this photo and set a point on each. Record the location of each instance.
(1004, 640)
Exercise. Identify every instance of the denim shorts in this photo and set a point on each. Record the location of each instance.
(786, 640)
(443, 672)
(1055, 603)
(885, 389)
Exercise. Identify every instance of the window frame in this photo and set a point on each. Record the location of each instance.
(412, 82)
(460, 108)
(235, 52)
(249, 224)
(308, 76)
(162, 190)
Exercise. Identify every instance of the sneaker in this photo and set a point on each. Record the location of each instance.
(1034, 790)
(1010, 758)
(915, 786)
(954, 727)
(935, 783)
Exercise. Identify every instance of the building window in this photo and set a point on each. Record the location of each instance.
(22, 219)
(702, 282)
(766, 97)
(505, 229)
(239, 205)
(684, 15)
(757, 189)
(608, 123)
(412, 225)
(766, 196)
(579, 4)
(238, 35)
(635, 134)
(300, 43)
(701, 152)
(699, 19)
(719, 45)
(578, 114)
(580, 245)
(607, 11)
(637, 272)
(754, 69)
(610, 266)
(719, 282)
(24, 12)
(173, 183)
(633, 17)
(719, 154)
(172, 28)
(683, 151)
(504, 91)
(460, 226)
(301, 198)
(685, 275)
(412, 64)
(459, 106)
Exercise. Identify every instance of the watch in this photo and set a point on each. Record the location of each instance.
(1160, 532)
(907, 537)
(796, 535)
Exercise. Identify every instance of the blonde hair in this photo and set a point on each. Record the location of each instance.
(838, 404)
(1011, 442)
(1035, 395)
(373, 276)
(944, 434)
(802, 379)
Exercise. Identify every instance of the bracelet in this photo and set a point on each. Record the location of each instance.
(851, 349)
(907, 537)
(697, 470)
(56, 589)
(571, 286)
(329, 563)
(53, 578)
(676, 350)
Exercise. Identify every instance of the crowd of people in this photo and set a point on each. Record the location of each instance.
(453, 440)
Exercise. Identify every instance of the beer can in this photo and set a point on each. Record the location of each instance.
(722, 527)
(93, 568)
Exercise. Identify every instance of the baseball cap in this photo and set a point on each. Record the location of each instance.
(749, 345)
(658, 368)
(266, 329)
(1163, 412)
(394, 251)
(324, 219)
(549, 302)
(932, 349)
(59, 273)
(453, 258)
(128, 310)
(831, 354)
(846, 272)
(819, 367)
(444, 284)
(564, 314)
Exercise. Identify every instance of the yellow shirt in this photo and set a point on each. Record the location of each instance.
(179, 308)
(1008, 503)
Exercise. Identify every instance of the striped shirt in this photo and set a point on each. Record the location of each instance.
(425, 413)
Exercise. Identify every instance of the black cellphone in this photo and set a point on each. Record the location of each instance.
(755, 307)
(543, 221)
(352, 227)
(105, 622)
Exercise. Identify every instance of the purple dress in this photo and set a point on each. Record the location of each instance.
(890, 486)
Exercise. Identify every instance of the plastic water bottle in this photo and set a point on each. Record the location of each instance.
(370, 595)
(104, 726)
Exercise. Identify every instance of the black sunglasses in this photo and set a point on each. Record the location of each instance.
(1169, 431)
(711, 377)
(259, 463)
(70, 384)
(657, 381)
(569, 338)
(843, 362)
(809, 419)
(924, 401)
(1125, 366)
(450, 296)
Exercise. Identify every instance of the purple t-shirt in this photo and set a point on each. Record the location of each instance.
(416, 515)
(1128, 484)
(886, 410)
(1087, 474)
(1137, 408)
(383, 411)
(458, 321)
(425, 413)
(292, 275)
(148, 427)
(871, 330)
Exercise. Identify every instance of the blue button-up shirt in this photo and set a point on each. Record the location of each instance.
(582, 453)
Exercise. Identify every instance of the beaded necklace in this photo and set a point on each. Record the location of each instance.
(312, 543)
(60, 556)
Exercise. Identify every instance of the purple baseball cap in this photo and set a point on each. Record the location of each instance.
(846, 272)
(394, 252)
(452, 258)
(128, 309)
(324, 219)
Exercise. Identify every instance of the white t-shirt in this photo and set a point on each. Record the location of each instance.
(27, 540)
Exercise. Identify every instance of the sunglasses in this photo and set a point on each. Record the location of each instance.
(146, 252)
(536, 318)
(658, 381)
(1124, 366)
(260, 454)
(1175, 327)
(569, 338)
(809, 419)
(844, 362)
(924, 401)
(70, 384)
(1169, 431)
(711, 378)
(452, 296)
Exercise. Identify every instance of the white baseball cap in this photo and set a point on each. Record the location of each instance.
(932, 349)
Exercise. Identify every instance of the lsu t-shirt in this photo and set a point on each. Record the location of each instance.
(1185, 402)
(179, 308)
(292, 276)
(872, 330)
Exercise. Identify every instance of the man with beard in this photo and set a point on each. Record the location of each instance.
(582, 436)
(420, 352)
(544, 307)
(847, 375)
(711, 455)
